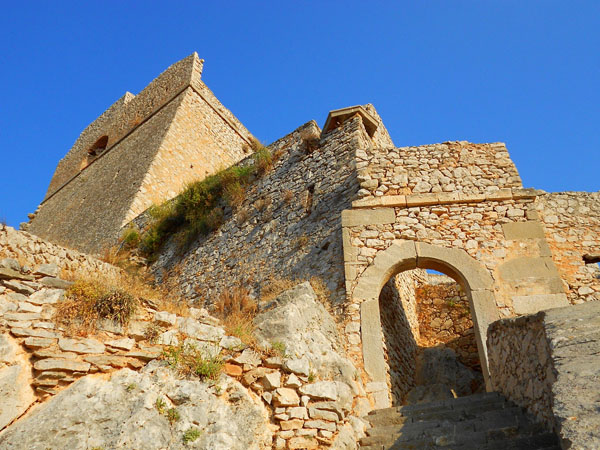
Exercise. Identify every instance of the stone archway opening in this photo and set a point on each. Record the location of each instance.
(402, 256)
(429, 341)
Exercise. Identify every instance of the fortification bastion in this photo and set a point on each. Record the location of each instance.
(345, 206)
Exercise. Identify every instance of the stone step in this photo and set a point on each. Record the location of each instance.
(394, 416)
(479, 422)
(449, 404)
(457, 423)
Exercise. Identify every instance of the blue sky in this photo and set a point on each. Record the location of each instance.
(523, 72)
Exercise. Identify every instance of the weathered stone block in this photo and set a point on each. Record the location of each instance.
(523, 230)
(358, 217)
(531, 304)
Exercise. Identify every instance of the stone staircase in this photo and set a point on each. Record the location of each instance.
(477, 422)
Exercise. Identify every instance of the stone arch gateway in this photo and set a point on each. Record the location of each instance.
(407, 255)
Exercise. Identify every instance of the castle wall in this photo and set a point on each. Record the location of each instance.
(572, 224)
(456, 167)
(289, 225)
(400, 327)
(549, 363)
(125, 115)
(198, 143)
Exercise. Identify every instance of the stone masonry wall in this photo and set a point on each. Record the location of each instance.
(549, 363)
(288, 227)
(32, 251)
(400, 326)
(449, 167)
(198, 143)
(572, 223)
(520, 363)
(166, 136)
(40, 359)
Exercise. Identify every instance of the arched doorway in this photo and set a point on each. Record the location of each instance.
(407, 255)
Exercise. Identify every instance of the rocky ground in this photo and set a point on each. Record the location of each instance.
(115, 389)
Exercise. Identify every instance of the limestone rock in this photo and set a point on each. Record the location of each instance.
(200, 331)
(81, 345)
(61, 364)
(298, 320)
(46, 296)
(48, 270)
(286, 397)
(165, 318)
(16, 393)
(98, 413)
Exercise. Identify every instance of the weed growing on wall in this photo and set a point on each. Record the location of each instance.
(199, 208)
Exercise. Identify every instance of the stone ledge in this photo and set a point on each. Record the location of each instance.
(443, 198)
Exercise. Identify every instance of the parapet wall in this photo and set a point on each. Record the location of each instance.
(572, 223)
(456, 167)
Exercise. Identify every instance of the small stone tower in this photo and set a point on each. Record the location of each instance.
(142, 150)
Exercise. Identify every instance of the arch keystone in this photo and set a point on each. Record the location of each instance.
(463, 267)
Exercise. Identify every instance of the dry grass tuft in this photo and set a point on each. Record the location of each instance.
(89, 301)
(237, 310)
(188, 360)
(116, 297)
(288, 196)
(272, 287)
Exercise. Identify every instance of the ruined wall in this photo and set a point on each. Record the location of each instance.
(549, 363)
(288, 226)
(31, 251)
(572, 224)
(166, 136)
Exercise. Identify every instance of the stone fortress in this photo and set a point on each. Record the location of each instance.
(344, 204)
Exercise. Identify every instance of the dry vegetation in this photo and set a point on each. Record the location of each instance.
(117, 298)
(237, 310)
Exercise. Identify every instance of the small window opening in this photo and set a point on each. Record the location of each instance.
(591, 258)
(98, 147)
(309, 199)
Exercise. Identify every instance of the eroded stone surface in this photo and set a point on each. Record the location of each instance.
(120, 413)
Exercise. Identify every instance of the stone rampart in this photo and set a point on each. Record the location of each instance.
(549, 363)
(457, 167)
(289, 225)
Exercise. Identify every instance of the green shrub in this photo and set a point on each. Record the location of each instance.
(188, 360)
(191, 435)
(172, 415)
(131, 237)
(278, 347)
(199, 208)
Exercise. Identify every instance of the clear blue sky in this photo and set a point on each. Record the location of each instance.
(524, 72)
